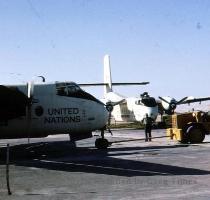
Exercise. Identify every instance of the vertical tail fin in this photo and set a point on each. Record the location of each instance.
(107, 75)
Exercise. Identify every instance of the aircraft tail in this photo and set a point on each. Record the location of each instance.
(107, 75)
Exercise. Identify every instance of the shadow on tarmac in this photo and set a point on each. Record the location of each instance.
(62, 156)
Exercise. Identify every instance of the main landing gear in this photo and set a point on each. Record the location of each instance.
(102, 143)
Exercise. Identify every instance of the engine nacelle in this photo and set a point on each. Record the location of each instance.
(169, 105)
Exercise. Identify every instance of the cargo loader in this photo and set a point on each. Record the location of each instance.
(189, 127)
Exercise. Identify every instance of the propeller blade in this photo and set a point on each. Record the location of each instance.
(161, 98)
(109, 106)
(109, 119)
(30, 86)
(182, 100)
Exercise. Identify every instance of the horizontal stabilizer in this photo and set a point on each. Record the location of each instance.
(115, 84)
(142, 83)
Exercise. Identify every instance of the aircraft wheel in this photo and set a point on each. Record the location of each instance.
(101, 143)
(195, 134)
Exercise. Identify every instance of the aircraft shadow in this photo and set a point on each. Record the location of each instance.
(61, 156)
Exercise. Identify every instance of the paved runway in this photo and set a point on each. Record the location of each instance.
(52, 168)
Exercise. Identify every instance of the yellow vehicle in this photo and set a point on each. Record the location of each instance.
(189, 127)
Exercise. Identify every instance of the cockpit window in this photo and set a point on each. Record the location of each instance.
(71, 89)
(147, 101)
(67, 88)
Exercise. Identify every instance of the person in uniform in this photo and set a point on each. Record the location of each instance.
(148, 128)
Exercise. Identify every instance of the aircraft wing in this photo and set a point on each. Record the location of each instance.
(12, 103)
(193, 100)
(115, 84)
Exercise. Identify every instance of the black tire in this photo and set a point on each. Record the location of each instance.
(101, 143)
(195, 133)
(184, 141)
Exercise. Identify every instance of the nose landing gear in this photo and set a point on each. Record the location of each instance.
(102, 143)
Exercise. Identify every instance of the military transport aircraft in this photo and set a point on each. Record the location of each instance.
(126, 109)
(39, 110)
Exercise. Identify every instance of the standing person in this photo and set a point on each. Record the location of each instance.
(148, 128)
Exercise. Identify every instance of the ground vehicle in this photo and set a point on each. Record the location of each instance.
(189, 127)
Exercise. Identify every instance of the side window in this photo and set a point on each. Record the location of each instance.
(138, 102)
(61, 91)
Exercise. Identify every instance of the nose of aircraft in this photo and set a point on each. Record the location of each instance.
(152, 112)
(102, 115)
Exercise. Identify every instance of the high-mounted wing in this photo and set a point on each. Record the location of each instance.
(188, 101)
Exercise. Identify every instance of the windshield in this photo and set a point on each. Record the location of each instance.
(67, 88)
(149, 101)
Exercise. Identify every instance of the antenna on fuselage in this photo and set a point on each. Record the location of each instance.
(42, 77)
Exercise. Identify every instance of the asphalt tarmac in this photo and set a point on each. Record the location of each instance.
(53, 168)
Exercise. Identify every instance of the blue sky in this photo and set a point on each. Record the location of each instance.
(166, 42)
